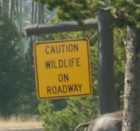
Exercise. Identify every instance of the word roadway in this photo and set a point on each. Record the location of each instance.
(64, 89)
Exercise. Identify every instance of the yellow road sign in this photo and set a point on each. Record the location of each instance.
(63, 68)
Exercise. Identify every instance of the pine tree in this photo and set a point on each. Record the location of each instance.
(10, 67)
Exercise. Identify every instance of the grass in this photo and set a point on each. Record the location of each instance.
(16, 122)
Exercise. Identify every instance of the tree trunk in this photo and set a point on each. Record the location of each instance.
(20, 26)
(0, 7)
(32, 18)
(132, 81)
(106, 64)
(12, 10)
(35, 13)
(5, 7)
(42, 13)
(17, 10)
(39, 13)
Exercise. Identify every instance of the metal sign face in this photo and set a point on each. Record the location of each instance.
(63, 68)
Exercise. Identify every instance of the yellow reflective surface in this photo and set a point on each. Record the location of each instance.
(63, 68)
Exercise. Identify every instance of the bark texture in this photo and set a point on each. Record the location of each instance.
(59, 27)
(106, 64)
(132, 81)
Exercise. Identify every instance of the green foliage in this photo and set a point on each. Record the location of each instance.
(17, 78)
(69, 10)
(126, 12)
(29, 102)
(10, 67)
(78, 110)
